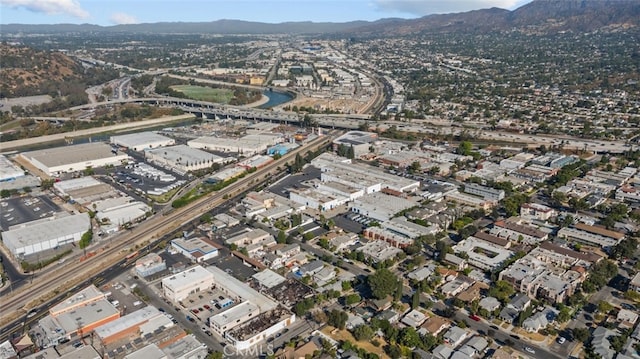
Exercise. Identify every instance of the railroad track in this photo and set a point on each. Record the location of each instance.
(47, 287)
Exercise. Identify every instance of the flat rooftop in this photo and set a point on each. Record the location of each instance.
(235, 314)
(241, 289)
(269, 278)
(86, 315)
(66, 155)
(130, 320)
(139, 139)
(194, 274)
(196, 244)
(184, 154)
(88, 294)
(39, 231)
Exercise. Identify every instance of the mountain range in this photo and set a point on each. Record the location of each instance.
(538, 15)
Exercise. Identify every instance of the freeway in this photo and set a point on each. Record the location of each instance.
(44, 288)
(12, 145)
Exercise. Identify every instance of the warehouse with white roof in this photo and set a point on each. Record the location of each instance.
(9, 171)
(49, 233)
(74, 158)
(142, 141)
(183, 158)
(248, 145)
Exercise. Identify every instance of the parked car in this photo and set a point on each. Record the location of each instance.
(529, 350)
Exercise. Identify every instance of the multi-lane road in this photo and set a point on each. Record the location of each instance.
(44, 288)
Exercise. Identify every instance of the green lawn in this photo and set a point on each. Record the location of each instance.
(203, 93)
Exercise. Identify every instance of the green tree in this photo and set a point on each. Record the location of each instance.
(337, 318)
(465, 148)
(282, 237)
(604, 307)
(580, 334)
(409, 337)
(382, 283)
(85, 240)
(415, 300)
(363, 332)
(501, 290)
(352, 299)
(5, 193)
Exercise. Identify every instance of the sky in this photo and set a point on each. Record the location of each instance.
(113, 12)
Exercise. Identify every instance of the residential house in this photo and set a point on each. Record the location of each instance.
(435, 325)
(389, 315)
(475, 346)
(517, 304)
(489, 304)
(414, 318)
(600, 342)
(455, 336)
(455, 261)
(627, 318)
(540, 320)
(442, 352)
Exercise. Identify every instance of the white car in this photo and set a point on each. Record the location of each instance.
(561, 340)
(529, 350)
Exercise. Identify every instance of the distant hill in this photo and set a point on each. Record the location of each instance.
(544, 16)
(213, 27)
(538, 15)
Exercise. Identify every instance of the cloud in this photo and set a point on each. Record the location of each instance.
(50, 7)
(120, 18)
(426, 7)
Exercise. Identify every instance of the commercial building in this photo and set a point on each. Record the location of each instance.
(9, 171)
(150, 264)
(380, 206)
(359, 140)
(131, 324)
(368, 178)
(75, 317)
(182, 158)
(197, 249)
(85, 190)
(469, 200)
(282, 149)
(142, 141)
(179, 286)
(254, 319)
(187, 347)
(66, 159)
(48, 233)
(248, 145)
(251, 237)
(488, 193)
(127, 213)
(256, 161)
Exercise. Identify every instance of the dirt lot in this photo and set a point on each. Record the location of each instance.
(343, 106)
(345, 335)
(7, 103)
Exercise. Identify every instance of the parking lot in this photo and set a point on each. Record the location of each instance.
(145, 178)
(25, 209)
(282, 186)
(351, 222)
